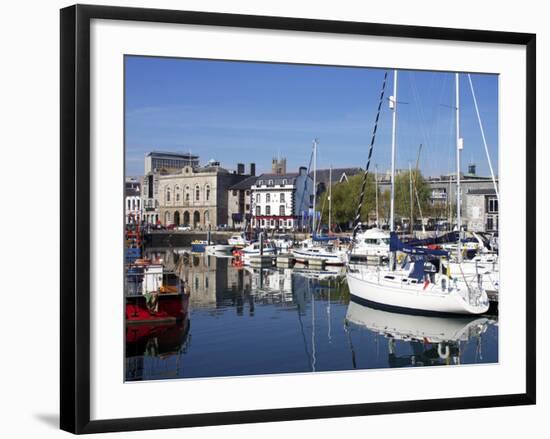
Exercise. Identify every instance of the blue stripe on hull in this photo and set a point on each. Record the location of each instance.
(403, 310)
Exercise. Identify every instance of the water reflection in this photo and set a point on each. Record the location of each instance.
(249, 321)
(432, 340)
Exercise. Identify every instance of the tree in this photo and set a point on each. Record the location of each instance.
(403, 194)
(345, 198)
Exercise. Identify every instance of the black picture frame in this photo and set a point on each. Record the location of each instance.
(75, 217)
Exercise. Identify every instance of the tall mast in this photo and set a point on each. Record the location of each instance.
(314, 185)
(376, 195)
(411, 198)
(329, 199)
(459, 146)
(393, 106)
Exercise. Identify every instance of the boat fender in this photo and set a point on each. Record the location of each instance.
(447, 351)
(444, 282)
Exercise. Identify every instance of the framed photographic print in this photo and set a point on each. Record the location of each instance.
(302, 218)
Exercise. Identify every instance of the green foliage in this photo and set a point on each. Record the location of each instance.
(345, 197)
(403, 194)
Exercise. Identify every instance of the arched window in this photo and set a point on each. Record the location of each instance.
(187, 193)
(177, 192)
(207, 192)
(168, 194)
(197, 193)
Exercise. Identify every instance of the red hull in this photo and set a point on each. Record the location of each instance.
(171, 307)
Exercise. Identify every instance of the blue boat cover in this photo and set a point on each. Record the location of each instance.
(324, 238)
(397, 245)
(443, 239)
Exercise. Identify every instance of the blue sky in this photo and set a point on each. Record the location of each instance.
(249, 112)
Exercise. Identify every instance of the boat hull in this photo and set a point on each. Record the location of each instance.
(407, 300)
(304, 256)
(171, 307)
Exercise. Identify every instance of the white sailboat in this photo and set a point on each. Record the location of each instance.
(418, 284)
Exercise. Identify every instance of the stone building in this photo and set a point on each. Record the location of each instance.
(196, 196)
(240, 203)
(482, 210)
(280, 201)
(159, 163)
(442, 192)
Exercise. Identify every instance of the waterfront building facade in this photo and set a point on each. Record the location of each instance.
(239, 203)
(132, 201)
(281, 201)
(482, 210)
(159, 163)
(196, 196)
(442, 198)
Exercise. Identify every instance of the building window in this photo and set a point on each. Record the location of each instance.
(234, 193)
(268, 210)
(270, 182)
(492, 205)
(284, 181)
(129, 204)
(247, 207)
(282, 197)
(247, 193)
(268, 198)
(492, 223)
(282, 210)
(168, 194)
(197, 193)
(187, 193)
(258, 198)
(272, 223)
(263, 223)
(207, 193)
(258, 210)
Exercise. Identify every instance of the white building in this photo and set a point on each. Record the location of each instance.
(132, 201)
(280, 200)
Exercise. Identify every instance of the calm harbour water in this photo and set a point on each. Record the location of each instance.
(244, 321)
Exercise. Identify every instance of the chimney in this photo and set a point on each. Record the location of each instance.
(253, 169)
(240, 168)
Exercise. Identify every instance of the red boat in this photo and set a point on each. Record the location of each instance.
(153, 296)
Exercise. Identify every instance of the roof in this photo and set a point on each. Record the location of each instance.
(278, 178)
(244, 184)
(218, 169)
(185, 155)
(482, 191)
(323, 175)
(131, 191)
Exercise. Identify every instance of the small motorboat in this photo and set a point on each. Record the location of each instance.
(219, 249)
(238, 240)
